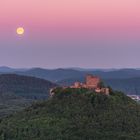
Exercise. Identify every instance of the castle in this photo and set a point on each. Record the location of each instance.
(93, 83)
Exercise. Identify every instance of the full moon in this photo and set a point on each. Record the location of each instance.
(20, 31)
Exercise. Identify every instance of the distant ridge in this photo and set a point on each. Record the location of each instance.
(5, 69)
(54, 75)
(67, 76)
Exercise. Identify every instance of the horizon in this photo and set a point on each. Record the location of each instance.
(74, 68)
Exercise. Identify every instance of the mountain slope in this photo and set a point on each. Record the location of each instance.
(16, 92)
(78, 115)
(27, 87)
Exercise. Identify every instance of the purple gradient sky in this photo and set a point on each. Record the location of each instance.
(70, 33)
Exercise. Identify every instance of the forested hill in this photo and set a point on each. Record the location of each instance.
(23, 86)
(76, 114)
(17, 92)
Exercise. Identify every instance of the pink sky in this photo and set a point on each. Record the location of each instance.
(70, 33)
(91, 17)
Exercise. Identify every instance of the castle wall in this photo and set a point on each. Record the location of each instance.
(92, 82)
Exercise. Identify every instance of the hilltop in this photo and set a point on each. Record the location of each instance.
(76, 114)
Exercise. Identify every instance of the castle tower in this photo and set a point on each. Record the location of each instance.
(92, 81)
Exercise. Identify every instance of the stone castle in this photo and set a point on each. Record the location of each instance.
(93, 83)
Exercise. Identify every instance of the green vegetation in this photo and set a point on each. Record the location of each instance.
(24, 86)
(75, 114)
(17, 92)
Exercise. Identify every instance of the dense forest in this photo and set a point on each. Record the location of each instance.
(25, 86)
(17, 92)
(75, 114)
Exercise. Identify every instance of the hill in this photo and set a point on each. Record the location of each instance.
(76, 114)
(18, 91)
(23, 86)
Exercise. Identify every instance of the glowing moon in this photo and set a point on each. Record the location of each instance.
(20, 31)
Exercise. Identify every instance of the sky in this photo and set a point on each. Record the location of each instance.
(70, 33)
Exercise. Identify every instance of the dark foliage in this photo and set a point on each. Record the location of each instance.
(76, 114)
(23, 86)
(16, 92)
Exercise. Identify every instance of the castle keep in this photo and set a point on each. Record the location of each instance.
(93, 83)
